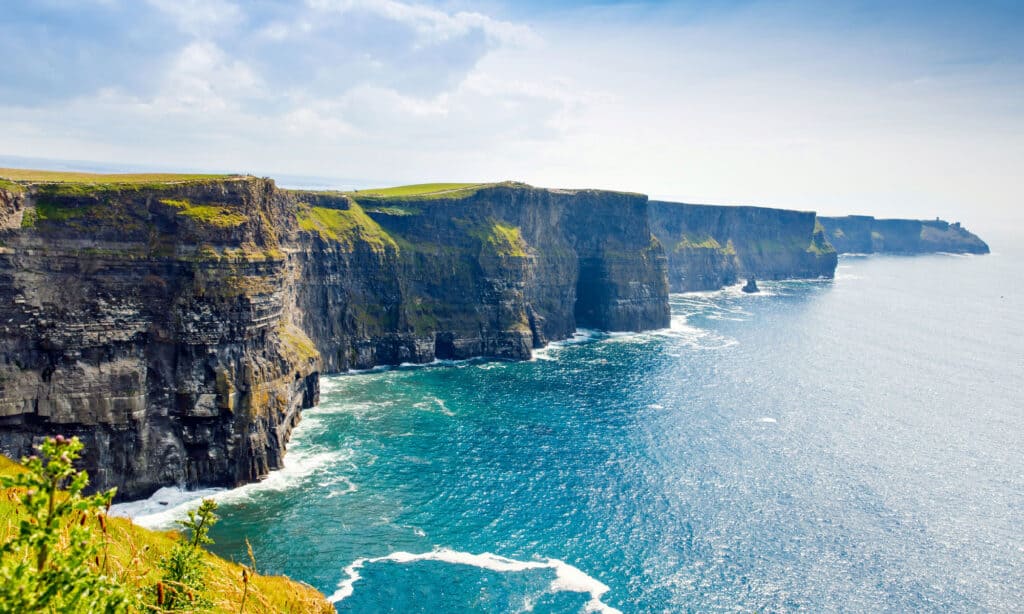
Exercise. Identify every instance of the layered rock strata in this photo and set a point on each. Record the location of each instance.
(709, 246)
(179, 328)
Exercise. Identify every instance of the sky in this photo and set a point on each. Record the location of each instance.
(890, 108)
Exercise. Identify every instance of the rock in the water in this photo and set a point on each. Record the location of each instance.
(751, 286)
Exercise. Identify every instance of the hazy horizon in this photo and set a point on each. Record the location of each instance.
(855, 108)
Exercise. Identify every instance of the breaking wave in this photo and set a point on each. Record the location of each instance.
(567, 577)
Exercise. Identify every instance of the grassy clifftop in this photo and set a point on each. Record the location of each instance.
(22, 175)
(423, 190)
(134, 553)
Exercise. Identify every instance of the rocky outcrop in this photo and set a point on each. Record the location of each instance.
(711, 246)
(862, 234)
(180, 328)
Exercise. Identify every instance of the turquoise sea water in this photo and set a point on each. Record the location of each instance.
(855, 444)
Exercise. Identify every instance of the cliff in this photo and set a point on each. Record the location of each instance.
(863, 234)
(711, 246)
(179, 325)
(490, 270)
(154, 321)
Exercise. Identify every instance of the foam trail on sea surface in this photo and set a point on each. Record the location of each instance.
(567, 577)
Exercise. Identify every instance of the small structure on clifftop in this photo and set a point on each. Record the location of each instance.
(751, 286)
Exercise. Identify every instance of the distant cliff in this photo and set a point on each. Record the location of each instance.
(179, 327)
(710, 246)
(863, 234)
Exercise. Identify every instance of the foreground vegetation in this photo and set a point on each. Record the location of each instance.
(61, 552)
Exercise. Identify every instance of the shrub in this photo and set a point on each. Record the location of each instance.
(53, 563)
(184, 581)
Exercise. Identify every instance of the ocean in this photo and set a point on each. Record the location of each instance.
(854, 444)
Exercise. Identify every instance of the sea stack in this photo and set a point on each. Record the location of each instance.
(751, 286)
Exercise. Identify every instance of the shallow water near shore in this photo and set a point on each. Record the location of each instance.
(853, 444)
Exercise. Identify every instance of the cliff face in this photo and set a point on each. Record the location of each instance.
(710, 246)
(863, 234)
(155, 328)
(179, 328)
(496, 272)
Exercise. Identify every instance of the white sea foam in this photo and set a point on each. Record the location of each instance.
(433, 402)
(332, 383)
(582, 335)
(438, 362)
(767, 420)
(337, 406)
(444, 408)
(377, 369)
(544, 353)
(350, 486)
(679, 328)
(567, 577)
(847, 276)
(494, 364)
(171, 504)
(166, 505)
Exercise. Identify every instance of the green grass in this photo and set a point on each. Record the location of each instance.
(506, 240)
(82, 216)
(819, 242)
(37, 176)
(297, 345)
(134, 553)
(396, 211)
(10, 186)
(501, 239)
(693, 242)
(439, 190)
(346, 226)
(214, 215)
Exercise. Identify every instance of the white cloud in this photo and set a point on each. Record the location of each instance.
(432, 25)
(202, 79)
(738, 106)
(200, 16)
